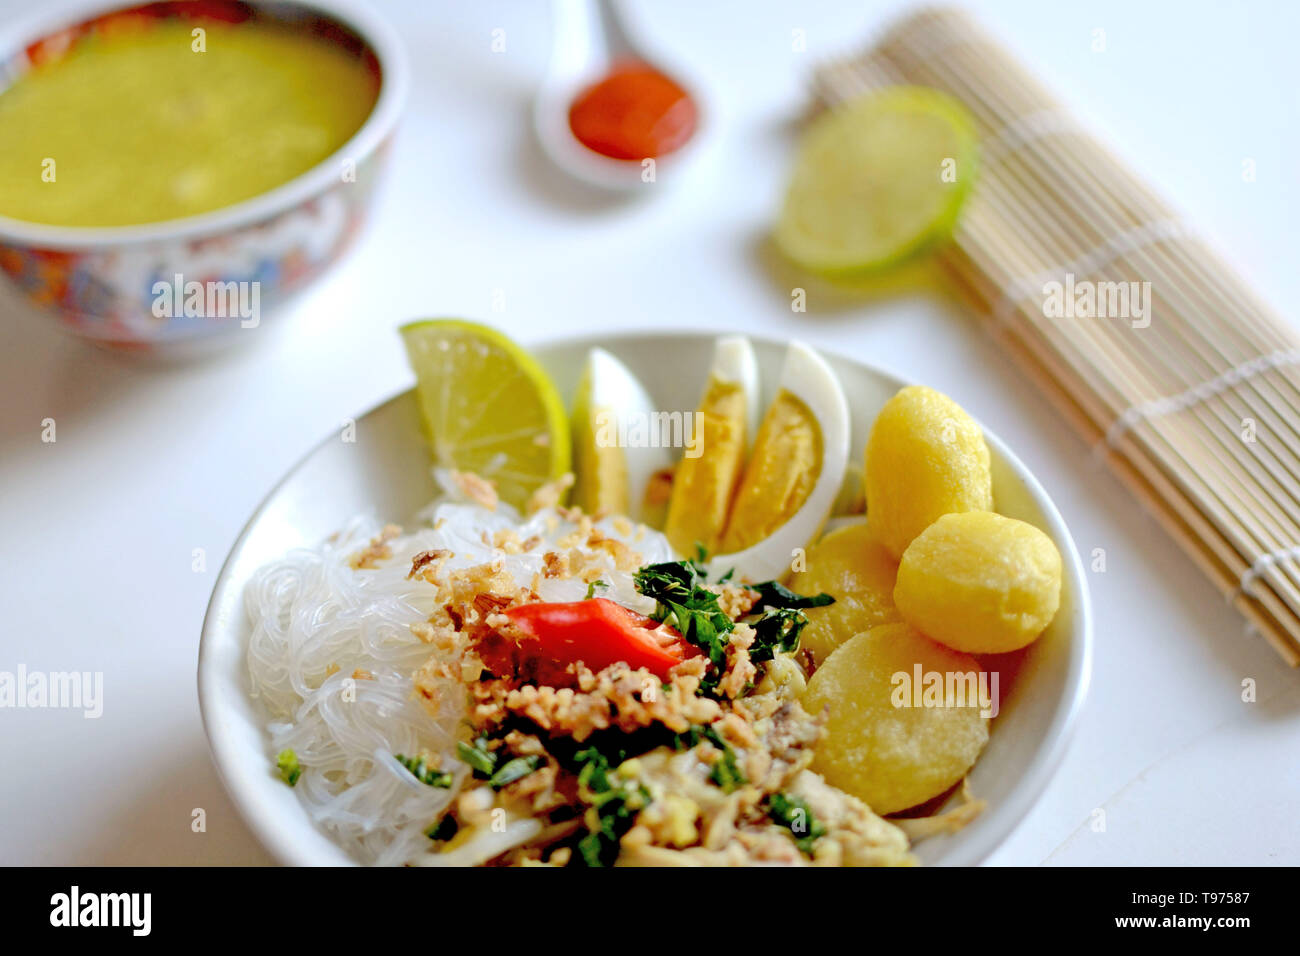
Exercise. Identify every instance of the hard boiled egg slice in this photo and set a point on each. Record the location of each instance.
(617, 445)
(734, 363)
(794, 473)
(723, 428)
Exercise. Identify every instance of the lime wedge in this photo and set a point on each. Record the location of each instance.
(877, 180)
(488, 407)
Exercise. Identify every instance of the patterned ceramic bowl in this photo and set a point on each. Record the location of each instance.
(129, 287)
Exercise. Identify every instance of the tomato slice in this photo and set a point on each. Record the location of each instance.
(597, 632)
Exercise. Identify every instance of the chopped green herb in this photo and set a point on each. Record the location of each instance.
(591, 588)
(726, 772)
(777, 629)
(513, 770)
(287, 764)
(683, 599)
(687, 604)
(778, 624)
(775, 594)
(480, 759)
(424, 773)
(616, 800)
(794, 814)
(444, 829)
(483, 761)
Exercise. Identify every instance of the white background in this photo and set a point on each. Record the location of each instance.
(154, 461)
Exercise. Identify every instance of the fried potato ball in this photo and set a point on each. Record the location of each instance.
(979, 582)
(925, 458)
(858, 571)
(880, 745)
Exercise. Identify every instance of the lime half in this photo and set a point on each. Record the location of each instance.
(878, 180)
(488, 407)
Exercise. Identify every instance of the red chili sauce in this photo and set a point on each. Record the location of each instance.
(635, 112)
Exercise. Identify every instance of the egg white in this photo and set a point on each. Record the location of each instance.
(612, 388)
(808, 377)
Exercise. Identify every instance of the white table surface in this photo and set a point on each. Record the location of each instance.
(153, 462)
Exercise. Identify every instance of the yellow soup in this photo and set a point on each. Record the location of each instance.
(156, 123)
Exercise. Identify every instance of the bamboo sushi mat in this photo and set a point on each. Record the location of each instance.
(1196, 405)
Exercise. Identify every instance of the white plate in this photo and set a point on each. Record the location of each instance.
(386, 472)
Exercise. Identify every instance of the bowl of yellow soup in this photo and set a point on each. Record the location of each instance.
(172, 172)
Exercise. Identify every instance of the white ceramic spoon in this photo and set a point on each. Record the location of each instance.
(588, 39)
